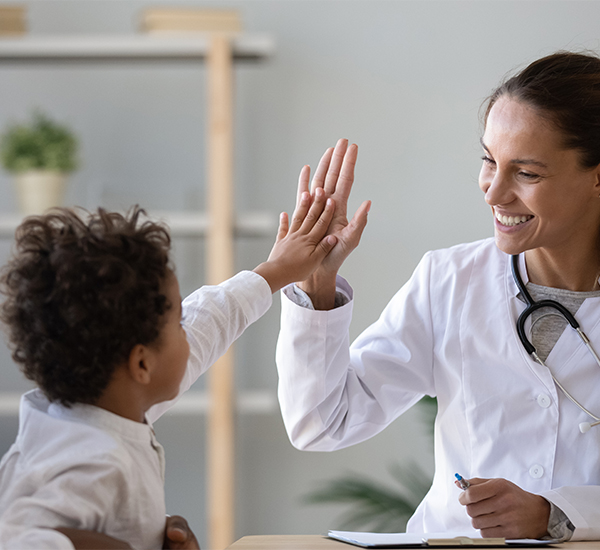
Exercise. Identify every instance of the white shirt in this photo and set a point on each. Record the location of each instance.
(81, 467)
(450, 332)
(86, 468)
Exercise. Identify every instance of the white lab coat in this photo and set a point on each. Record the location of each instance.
(450, 333)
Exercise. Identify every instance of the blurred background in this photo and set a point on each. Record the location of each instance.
(405, 79)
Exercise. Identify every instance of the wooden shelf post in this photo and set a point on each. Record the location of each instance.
(220, 447)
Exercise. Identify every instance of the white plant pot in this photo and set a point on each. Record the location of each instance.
(38, 190)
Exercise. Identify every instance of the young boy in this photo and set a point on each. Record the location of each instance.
(94, 317)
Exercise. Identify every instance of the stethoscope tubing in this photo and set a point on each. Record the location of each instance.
(530, 348)
(533, 306)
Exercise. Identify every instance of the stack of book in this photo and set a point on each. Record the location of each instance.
(177, 20)
(12, 20)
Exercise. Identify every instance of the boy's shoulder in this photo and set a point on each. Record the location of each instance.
(85, 464)
(54, 437)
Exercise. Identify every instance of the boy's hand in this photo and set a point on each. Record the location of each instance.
(301, 245)
(178, 535)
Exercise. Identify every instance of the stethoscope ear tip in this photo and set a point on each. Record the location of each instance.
(584, 427)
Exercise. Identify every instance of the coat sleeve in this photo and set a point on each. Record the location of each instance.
(333, 395)
(580, 504)
(214, 317)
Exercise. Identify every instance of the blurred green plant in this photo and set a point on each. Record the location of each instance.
(373, 506)
(40, 145)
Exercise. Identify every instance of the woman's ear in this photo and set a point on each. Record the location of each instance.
(140, 364)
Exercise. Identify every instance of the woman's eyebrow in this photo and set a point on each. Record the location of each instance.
(517, 161)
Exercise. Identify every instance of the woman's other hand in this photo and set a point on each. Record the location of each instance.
(499, 508)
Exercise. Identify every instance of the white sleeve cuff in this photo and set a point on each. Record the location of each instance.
(343, 294)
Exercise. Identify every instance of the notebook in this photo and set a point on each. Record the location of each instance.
(430, 540)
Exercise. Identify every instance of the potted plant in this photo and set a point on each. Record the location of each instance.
(40, 154)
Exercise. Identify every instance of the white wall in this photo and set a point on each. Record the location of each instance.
(403, 79)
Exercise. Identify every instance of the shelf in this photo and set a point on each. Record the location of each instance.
(188, 47)
(182, 223)
(190, 403)
(219, 52)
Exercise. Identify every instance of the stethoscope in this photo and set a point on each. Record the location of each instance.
(530, 348)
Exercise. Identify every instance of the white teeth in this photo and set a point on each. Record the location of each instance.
(512, 220)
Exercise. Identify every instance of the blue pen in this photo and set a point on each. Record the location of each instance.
(464, 484)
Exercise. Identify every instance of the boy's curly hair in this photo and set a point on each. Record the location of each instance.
(80, 294)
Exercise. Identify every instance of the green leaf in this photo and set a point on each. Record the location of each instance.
(373, 506)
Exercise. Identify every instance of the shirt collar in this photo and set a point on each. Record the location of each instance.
(90, 415)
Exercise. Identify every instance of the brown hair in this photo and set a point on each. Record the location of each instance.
(80, 294)
(565, 88)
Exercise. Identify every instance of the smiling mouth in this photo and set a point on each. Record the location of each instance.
(510, 221)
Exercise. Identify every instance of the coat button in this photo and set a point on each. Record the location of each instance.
(544, 400)
(536, 471)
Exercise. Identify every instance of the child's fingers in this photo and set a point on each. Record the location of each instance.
(303, 181)
(319, 177)
(301, 211)
(335, 166)
(319, 204)
(284, 226)
(326, 246)
(318, 224)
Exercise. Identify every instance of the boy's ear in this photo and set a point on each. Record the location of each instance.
(140, 364)
(597, 185)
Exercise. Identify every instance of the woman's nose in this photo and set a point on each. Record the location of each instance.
(497, 190)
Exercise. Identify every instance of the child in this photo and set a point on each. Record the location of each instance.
(94, 317)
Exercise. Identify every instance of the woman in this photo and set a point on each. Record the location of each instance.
(502, 421)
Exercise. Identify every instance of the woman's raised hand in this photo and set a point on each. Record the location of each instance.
(335, 176)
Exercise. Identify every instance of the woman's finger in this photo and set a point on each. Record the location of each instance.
(333, 172)
(354, 230)
(346, 177)
(323, 166)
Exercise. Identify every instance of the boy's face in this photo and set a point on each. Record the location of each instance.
(171, 348)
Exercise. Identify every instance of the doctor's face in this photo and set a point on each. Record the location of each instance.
(539, 194)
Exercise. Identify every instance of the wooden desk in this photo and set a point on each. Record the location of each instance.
(319, 542)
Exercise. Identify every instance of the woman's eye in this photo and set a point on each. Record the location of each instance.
(487, 160)
(529, 175)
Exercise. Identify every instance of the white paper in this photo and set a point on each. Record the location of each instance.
(381, 540)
